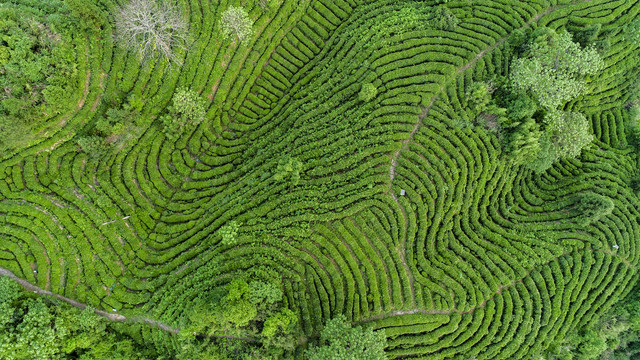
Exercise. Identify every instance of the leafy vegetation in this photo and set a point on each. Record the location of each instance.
(342, 341)
(36, 328)
(38, 68)
(316, 179)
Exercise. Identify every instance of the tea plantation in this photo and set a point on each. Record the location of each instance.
(329, 159)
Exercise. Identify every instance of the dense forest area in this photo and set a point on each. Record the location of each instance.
(319, 179)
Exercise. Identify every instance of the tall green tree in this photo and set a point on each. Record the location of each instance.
(570, 133)
(554, 68)
(552, 71)
(236, 24)
(340, 341)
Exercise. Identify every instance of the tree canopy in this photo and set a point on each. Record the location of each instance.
(554, 68)
(341, 341)
(38, 67)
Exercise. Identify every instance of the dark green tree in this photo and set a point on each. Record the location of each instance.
(340, 341)
(442, 18)
(478, 97)
(188, 110)
(591, 207)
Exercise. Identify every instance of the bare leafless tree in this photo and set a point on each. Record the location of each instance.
(152, 29)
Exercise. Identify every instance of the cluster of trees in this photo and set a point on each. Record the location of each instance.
(249, 319)
(341, 341)
(614, 336)
(33, 327)
(159, 29)
(38, 67)
(245, 319)
(117, 127)
(188, 110)
(550, 71)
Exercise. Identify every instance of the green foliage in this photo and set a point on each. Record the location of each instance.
(554, 67)
(187, 111)
(546, 156)
(632, 32)
(236, 308)
(367, 92)
(38, 67)
(588, 35)
(253, 310)
(591, 207)
(340, 341)
(478, 97)
(33, 328)
(570, 133)
(408, 218)
(93, 145)
(229, 233)
(552, 71)
(517, 39)
(236, 24)
(9, 290)
(443, 18)
(524, 141)
(288, 168)
(614, 335)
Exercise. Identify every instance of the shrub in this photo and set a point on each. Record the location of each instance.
(236, 24)
(368, 92)
(591, 207)
(188, 110)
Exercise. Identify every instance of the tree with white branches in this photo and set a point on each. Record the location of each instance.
(152, 29)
